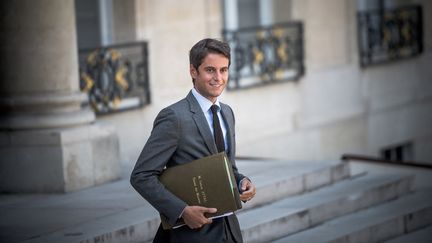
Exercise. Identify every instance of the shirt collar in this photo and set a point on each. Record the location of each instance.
(204, 103)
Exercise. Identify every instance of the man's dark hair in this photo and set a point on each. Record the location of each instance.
(205, 46)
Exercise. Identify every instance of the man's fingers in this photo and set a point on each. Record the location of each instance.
(194, 216)
(246, 194)
(250, 189)
(249, 192)
(245, 185)
(213, 210)
(209, 210)
(206, 210)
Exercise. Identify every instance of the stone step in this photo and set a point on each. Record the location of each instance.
(135, 225)
(375, 224)
(284, 180)
(274, 180)
(423, 235)
(294, 214)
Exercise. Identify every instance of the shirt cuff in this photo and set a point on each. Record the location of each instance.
(181, 214)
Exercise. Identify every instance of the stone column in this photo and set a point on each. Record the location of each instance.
(231, 14)
(266, 12)
(48, 142)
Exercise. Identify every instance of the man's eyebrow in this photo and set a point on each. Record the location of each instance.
(209, 66)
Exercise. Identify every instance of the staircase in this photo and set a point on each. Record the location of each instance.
(324, 201)
(364, 207)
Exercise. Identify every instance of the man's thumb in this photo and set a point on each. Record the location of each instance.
(211, 210)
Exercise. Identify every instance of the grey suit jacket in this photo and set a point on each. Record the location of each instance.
(180, 134)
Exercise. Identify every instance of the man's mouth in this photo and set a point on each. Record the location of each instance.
(215, 85)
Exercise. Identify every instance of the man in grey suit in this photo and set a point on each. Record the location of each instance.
(196, 126)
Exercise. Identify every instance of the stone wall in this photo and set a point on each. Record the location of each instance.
(336, 108)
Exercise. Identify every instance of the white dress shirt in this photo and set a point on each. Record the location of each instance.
(205, 105)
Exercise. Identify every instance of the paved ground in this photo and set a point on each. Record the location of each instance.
(79, 215)
(27, 217)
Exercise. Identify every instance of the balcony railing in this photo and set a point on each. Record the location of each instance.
(115, 76)
(389, 34)
(264, 55)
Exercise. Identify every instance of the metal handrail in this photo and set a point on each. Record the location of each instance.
(370, 159)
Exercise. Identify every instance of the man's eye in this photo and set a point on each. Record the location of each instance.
(210, 70)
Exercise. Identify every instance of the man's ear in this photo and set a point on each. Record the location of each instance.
(193, 71)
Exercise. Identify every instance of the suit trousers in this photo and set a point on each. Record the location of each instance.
(173, 236)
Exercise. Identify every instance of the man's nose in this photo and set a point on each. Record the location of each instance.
(218, 76)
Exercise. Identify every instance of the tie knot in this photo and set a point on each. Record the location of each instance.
(214, 109)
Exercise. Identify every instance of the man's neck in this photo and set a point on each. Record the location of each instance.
(214, 101)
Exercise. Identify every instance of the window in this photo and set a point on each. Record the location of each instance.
(388, 31)
(266, 47)
(115, 76)
(401, 152)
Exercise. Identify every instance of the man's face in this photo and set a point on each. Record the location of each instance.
(211, 76)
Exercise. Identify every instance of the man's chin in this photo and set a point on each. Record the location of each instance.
(217, 94)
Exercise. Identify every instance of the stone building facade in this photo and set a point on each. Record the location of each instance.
(336, 106)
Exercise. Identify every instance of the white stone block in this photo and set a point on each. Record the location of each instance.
(383, 231)
(58, 160)
(418, 219)
(317, 179)
(277, 228)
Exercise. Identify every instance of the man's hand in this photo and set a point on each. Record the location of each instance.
(248, 190)
(194, 216)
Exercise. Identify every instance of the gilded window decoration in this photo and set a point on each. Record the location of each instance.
(389, 34)
(265, 55)
(115, 77)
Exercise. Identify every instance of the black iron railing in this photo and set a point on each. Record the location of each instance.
(264, 55)
(370, 159)
(115, 77)
(389, 34)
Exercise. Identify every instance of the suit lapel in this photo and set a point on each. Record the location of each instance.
(229, 122)
(201, 123)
